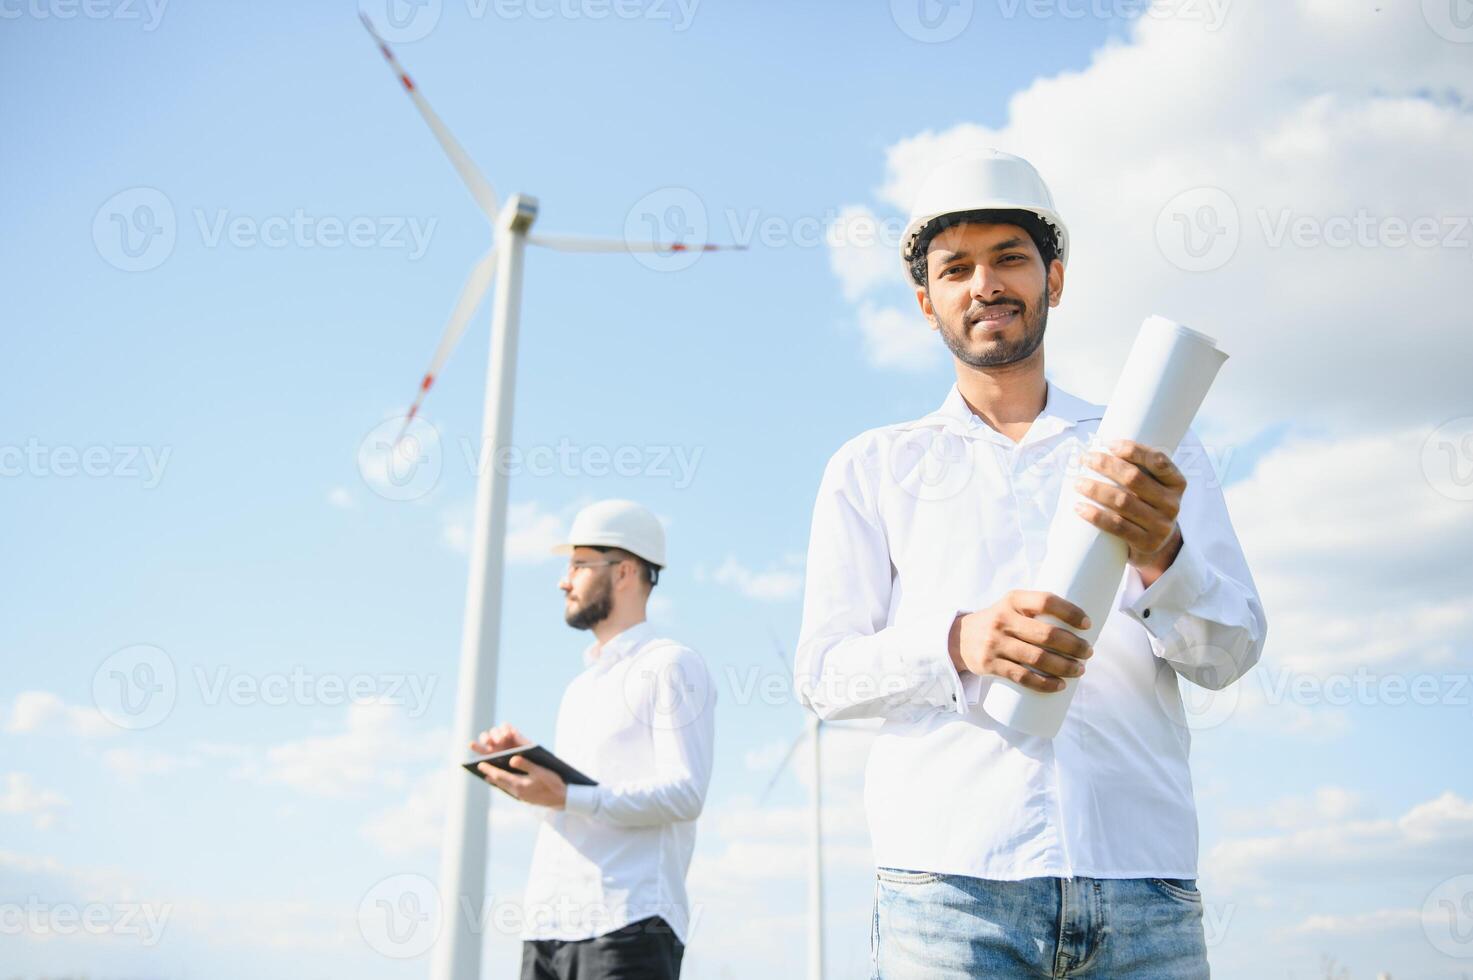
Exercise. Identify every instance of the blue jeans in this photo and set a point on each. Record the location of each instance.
(933, 926)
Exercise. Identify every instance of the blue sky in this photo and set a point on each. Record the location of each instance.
(223, 394)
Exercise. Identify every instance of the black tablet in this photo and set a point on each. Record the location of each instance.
(534, 754)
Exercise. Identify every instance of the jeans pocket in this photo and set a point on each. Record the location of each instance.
(896, 876)
(1181, 889)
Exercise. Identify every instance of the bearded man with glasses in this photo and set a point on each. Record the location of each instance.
(606, 895)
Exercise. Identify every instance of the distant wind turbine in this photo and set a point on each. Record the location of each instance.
(812, 733)
(463, 865)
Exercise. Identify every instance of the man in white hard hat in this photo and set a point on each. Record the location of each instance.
(606, 894)
(998, 853)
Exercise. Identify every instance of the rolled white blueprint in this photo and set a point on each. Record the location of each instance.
(1160, 389)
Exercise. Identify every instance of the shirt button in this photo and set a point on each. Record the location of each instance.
(1146, 614)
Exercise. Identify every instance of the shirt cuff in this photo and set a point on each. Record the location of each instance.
(1172, 595)
(931, 645)
(582, 800)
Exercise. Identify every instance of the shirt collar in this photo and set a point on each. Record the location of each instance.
(1060, 411)
(620, 646)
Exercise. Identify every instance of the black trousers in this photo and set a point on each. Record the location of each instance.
(643, 950)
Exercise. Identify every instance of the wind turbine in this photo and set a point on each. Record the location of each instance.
(812, 733)
(463, 862)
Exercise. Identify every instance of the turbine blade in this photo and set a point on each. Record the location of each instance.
(782, 653)
(475, 181)
(466, 304)
(579, 243)
(792, 750)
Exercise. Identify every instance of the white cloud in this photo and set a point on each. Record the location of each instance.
(1307, 110)
(373, 753)
(899, 339)
(1325, 804)
(1351, 850)
(416, 824)
(773, 584)
(43, 713)
(861, 252)
(21, 797)
(1359, 560)
(531, 532)
(1360, 923)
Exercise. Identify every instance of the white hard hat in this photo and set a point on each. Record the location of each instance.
(990, 181)
(618, 524)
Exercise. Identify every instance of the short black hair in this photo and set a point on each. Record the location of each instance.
(1043, 234)
(650, 569)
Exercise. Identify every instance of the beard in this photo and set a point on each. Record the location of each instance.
(1000, 352)
(593, 610)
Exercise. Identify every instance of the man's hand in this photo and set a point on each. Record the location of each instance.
(498, 739)
(540, 787)
(1142, 510)
(1005, 640)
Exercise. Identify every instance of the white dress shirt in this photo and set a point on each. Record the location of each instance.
(919, 521)
(639, 720)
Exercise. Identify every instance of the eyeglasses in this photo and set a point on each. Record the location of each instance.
(573, 566)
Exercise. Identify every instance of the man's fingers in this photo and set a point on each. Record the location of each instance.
(1038, 658)
(1041, 634)
(526, 765)
(1031, 603)
(1128, 504)
(510, 782)
(1137, 537)
(1021, 675)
